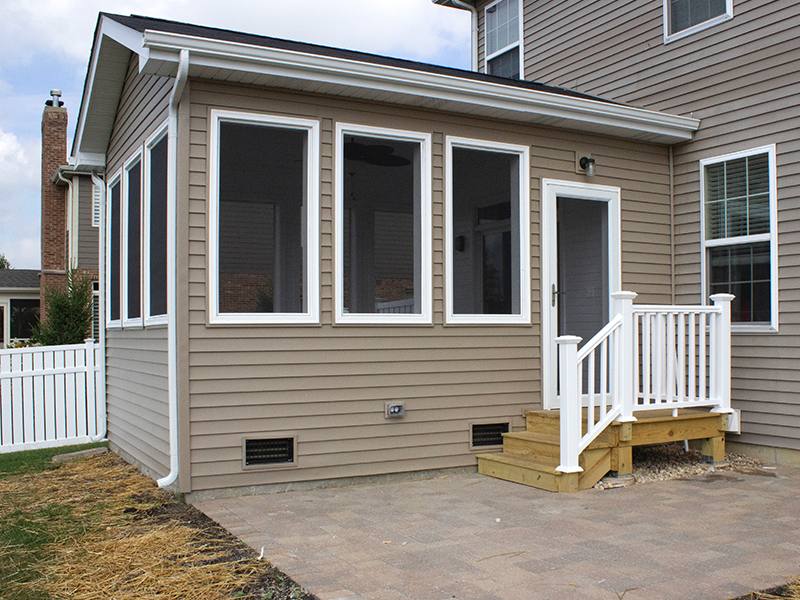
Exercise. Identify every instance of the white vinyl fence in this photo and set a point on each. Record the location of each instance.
(51, 396)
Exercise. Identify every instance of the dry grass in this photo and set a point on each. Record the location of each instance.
(129, 540)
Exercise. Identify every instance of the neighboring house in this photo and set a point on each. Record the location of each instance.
(70, 215)
(325, 264)
(735, 188)
(19, 304)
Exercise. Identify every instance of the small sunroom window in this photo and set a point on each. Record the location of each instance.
(264, 212)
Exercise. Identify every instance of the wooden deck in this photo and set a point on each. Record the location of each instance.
(530, 457)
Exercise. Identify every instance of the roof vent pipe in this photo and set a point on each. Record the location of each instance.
(55, 94)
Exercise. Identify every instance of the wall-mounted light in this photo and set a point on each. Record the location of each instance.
(459, 243)
(587, 164)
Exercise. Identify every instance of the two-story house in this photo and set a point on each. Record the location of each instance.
(323, 265)
(734, 188)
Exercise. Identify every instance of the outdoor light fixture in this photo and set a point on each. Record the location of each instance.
(587, 164)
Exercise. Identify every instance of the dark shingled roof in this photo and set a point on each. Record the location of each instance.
(19, 278)
(140, 23)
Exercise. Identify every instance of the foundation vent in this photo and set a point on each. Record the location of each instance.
(488, 434)
(270, 451)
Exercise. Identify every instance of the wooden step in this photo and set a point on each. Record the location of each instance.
(542, 474)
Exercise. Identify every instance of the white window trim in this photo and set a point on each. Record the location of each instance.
(312, 127)
(426, 272)
(772, 237)
(671, 37)
(116, 323)
(129, 164)
(155, 138)
(519, 43)
(523, 152)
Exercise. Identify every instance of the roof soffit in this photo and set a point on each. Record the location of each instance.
(159, 53)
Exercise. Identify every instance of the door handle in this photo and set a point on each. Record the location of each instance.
(553, 294)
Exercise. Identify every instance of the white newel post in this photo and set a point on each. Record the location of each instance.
(570, 405)
(722, 367)
(623, 305)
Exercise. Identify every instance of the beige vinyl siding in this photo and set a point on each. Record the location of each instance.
(136, 392)
(87, 235)
(136, 358)
(327, 384)
(741, 78)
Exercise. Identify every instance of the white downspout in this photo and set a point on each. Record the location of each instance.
(71, 228)
(101, 268)
(474, 11)
(172, 269)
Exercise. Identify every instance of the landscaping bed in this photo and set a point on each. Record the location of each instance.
(94, 529)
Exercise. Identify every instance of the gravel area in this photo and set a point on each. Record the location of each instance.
(672, 461)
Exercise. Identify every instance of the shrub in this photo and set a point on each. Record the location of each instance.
(68, 315)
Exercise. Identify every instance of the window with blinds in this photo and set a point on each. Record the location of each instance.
(740, 233)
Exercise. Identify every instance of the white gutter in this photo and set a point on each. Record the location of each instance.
(421, 88)
(172, 270)
(474, 38)
(101, 267)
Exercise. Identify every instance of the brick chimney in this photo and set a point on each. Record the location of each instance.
(54, 210)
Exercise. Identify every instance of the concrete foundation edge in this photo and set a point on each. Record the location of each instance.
(304, 486)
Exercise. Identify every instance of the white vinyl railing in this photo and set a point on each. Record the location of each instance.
(646, 358)
(51, 396)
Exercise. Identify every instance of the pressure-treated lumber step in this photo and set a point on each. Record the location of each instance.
(531, 457)
(542, 474)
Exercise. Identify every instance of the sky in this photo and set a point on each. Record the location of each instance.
(45, 44)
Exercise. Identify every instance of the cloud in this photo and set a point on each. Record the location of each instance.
(19, 200)
(46, 43)
(408, 28)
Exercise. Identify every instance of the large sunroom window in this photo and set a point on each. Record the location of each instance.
(264, 219)
(740, 236)
(487, 233)
(383, 226)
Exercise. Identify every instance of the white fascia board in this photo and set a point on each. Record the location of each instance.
(444, 91)
(125, 36)
(452, 4)
(88, 161)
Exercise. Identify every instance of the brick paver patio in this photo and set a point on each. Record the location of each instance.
(470, 537)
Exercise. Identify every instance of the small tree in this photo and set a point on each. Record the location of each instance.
(68, 314)
(4, 264)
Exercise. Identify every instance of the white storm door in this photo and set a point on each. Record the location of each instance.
(581, 267)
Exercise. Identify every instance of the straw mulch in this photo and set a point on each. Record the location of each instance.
(138, 542)
(790, 591)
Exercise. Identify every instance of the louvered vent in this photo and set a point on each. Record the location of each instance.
(269, 451)
(488, 434)
(96, 205)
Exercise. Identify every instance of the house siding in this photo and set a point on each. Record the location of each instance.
(136, 358)
(327, 384)
(741, 78)
(88, 245)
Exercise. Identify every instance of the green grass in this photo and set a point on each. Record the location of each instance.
(27, 533)
(36, 461)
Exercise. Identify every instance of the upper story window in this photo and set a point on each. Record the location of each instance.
(264, 213)
(740, 234)
(685, 17)
(503, 34)
(383, 226)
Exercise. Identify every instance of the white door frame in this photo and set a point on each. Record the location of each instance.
(551, 190)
